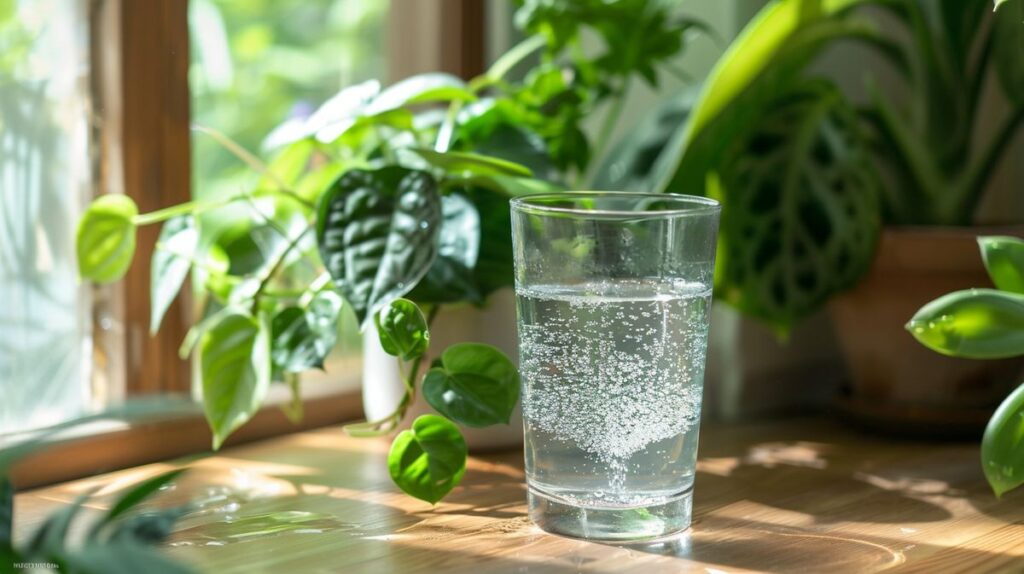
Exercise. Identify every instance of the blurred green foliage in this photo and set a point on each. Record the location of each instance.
(256, 63)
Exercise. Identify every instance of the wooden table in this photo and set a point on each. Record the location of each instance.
(803, 495)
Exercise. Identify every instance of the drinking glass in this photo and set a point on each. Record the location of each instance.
(613, 295)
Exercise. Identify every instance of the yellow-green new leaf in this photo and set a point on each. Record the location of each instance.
(105, 242)
(234, 358)
(1003, 443)
(402, 330)
(1004, 260)
(976, 324)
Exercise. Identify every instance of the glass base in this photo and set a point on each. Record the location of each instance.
(610, 523)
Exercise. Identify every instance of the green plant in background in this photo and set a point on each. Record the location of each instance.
(388, 202)
(259, 61)
(987, 324)
(807, 176)
(123, 539)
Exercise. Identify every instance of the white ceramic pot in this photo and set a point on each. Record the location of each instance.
(495, 325)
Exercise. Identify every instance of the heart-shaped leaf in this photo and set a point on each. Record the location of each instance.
(402, 330)
(474, 385)
(105, 242)
(234, 359)
(450, 278)
(377, 233)
(428, 460)
(302, 338)
(1004, 260)
(1002, 444)
(172, 260)
(976, 324)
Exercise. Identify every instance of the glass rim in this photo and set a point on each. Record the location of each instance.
(689, 205)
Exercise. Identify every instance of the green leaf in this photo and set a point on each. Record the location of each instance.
(152, 527)
(377, 234)
(302, 338)
(1000, 3)
(234, 359)
(421, 88)
(475, 385)
(976, 324)
(1003, 443)
(105, 242)
(133, 497)
(1008, 49)
(284, 171)
(471, 163)
(631, 161)
(172, 260)
(757, 46)
(1004, 260)
(801, 219)
(507, 185)
(312, 185)
(488, 130)
(52, 535)
(450, 278)
(493, 268)
(294, 409)
(335, 116)
(402, 330)
(773, 47)
(428, 460)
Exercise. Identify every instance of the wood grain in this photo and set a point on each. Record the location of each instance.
(156, 156)
(798, 496)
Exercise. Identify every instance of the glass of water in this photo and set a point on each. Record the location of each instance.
(613, 294)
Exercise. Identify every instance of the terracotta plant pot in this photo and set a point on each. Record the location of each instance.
(896, 385)
(495, 325)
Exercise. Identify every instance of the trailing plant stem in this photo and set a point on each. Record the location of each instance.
(385, 425)
(265, 281)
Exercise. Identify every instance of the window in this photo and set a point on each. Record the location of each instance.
(46, 178)
(98, 96)
(256, 65)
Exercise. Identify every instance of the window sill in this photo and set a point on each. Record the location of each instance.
(116, 446)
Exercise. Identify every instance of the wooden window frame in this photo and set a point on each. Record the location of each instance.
(141, 97)
(144, 104)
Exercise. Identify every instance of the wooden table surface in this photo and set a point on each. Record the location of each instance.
(805, 495)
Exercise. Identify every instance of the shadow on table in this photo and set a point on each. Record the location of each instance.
(767, 547)
(827, 496)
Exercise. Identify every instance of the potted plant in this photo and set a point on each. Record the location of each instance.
(823, 195)
(390, 202)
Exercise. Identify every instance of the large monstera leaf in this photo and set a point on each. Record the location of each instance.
(801, 215)
(377, 232)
